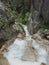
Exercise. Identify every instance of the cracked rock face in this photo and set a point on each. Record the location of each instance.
(45, 8)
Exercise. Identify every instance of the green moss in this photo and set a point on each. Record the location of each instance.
(21, 18)
(45, 26)
(5, 26)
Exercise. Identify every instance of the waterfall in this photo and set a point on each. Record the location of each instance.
(17, 49)
(26, 31)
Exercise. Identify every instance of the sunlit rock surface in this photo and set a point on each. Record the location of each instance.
(23, 53)
(3, 60)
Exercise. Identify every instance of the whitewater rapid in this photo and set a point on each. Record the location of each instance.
(16, 51)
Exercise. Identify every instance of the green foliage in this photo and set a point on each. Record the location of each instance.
(5, 26)
(11, 9)
(21, 18)
(45, 26)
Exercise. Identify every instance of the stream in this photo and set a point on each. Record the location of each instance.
(17, 49)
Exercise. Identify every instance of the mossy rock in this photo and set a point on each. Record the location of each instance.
(18, 27)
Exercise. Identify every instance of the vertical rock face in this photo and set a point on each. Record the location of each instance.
(45, 8)
(33, 23)
(45, 11)
(39, 15)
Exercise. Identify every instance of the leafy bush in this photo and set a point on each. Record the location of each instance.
(13, 14)
(21, 17)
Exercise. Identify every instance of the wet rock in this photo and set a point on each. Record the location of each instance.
(41, 42)
(3, 61)
(36, 36)
(20, 35)
(46, 34)
(42, 64)
(47, 37)
(3, 48)
(30, 53)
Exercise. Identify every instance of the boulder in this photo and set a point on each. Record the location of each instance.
(20, 36)
(36, 36)
(41, 42)
(3, 60)
(47, 37)
(46, 34)
(4, 47)
(42, 64)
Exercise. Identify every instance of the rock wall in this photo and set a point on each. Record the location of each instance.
(44, 9)
(7, 20)
(39, 15)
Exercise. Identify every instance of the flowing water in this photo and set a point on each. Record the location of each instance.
(16, 51)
